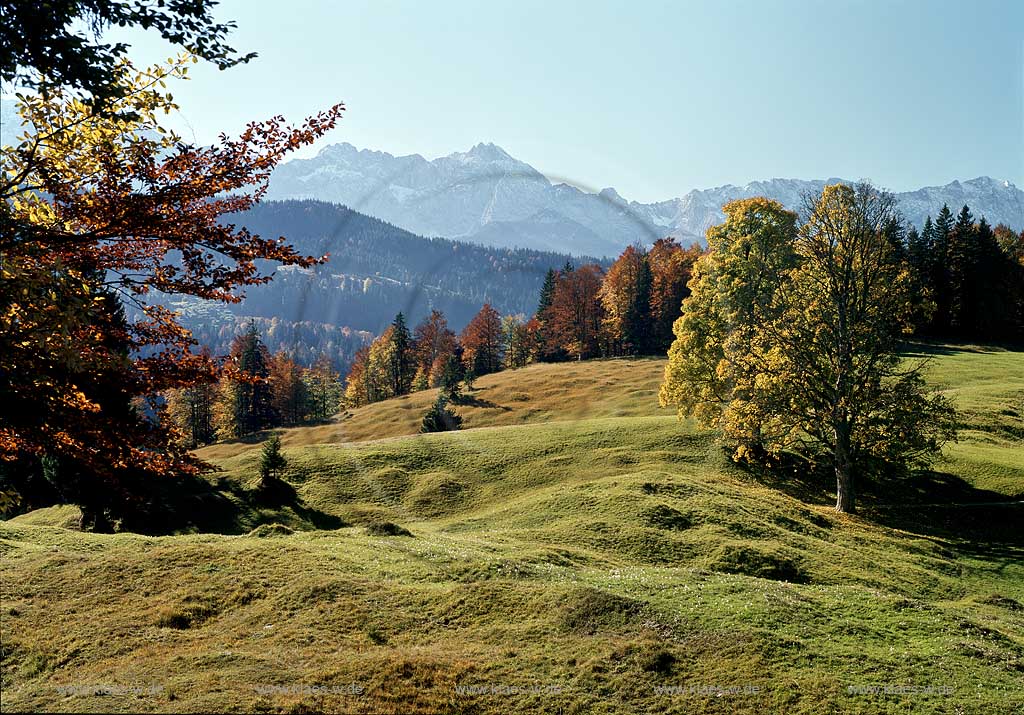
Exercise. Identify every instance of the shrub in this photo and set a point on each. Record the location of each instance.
(439, 418)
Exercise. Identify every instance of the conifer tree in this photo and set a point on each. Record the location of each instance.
(402, 366)
(439, 418)
(451, 376)
(547, 347)
(248, 400)
(963, 262)
(271, 462)
(324, 388)
(940, 277)
(547, 291)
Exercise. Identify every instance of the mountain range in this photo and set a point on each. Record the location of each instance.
(486, 196)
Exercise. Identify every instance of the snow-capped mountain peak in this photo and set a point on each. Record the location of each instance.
(485, 194)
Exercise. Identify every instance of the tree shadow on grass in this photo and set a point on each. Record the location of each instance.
(976, 523)
(941, 506)
(219, 505)
(465, 400)
(278, 494)
(927, 349)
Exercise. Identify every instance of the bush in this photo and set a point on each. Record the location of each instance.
(439, 418)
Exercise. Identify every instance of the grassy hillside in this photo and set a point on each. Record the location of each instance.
(534, 394)
(586, 548)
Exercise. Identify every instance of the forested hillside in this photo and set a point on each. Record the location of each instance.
(377, 270)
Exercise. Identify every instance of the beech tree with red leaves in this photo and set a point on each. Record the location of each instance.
(482, 341)
(574, 317)
(104, 208)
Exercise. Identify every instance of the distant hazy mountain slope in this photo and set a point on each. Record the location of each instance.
(487, 196)
(376, 270)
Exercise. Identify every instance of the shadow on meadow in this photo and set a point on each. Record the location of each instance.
(935, 505)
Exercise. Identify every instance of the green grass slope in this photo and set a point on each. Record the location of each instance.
(580, 551)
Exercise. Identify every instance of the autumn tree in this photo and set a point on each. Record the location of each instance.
(519, 340)
(821, 374)
(482, 341)
(380, 362)
(625, 296)
(714, 362)
(574, 324)
(1010, 242)
(671, 268)
(356, 393)
(191, 408)
(289, 396)
(112, 195)
(57, 44)
(433, 341)
(837, 366)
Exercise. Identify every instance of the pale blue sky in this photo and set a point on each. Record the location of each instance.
(653, 98)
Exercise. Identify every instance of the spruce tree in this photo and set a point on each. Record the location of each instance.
(402, 364)
(547, 297)
(895, 231)
(547, 292)
(439, 418)
(271, 461)
(963, 263)
(451, 377)
(252, 395)
(638, 322)
(940, 278)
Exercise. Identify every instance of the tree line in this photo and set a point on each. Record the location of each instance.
(582, 313)
(257, 390)
(971, 272)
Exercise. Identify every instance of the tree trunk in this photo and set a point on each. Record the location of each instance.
(844, 470)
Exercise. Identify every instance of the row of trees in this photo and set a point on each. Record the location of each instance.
(584, 312)
(257, 391)
(973, 273)
(432, 355)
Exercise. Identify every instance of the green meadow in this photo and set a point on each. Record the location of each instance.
(574, 549)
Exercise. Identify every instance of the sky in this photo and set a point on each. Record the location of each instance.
(652, 98)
